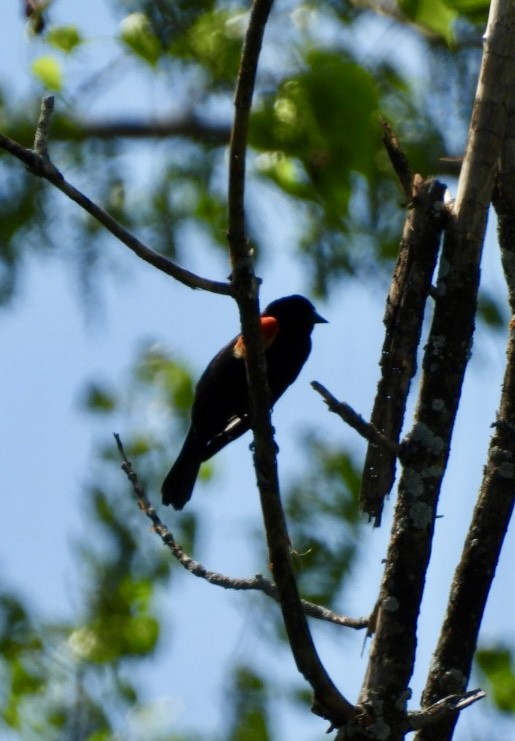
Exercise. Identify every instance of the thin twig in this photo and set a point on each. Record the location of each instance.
(443, 709)
(398, 159)
(42, 167)
(356, 421)
(258, 583)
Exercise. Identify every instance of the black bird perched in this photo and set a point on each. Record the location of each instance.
(220, 411)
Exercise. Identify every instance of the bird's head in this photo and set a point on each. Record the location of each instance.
(294, 312)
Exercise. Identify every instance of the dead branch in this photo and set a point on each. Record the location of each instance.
(356, 421)
(403, 319)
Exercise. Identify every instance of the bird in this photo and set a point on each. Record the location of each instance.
(220, 411)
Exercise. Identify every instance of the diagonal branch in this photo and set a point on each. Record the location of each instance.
(398, 159)
(356, 421)
(328, 701)
(39, 165)
(258, 583)
(403, 320)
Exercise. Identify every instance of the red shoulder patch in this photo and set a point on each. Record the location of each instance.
(269, 330)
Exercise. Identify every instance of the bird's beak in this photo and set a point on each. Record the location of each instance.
(319, 319)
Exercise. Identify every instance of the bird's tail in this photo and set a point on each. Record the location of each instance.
(178, 485)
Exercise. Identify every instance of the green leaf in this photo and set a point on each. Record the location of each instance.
(214, 40)
(491, 310)
(498, 665)
(97, 398)
(155, 367)
(475, 10)
(137, 34)
(250, 712)
(434, 15)
(48, 71)
(325, 119)
(64, 38)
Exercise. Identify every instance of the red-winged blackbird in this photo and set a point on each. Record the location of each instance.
(220, 412)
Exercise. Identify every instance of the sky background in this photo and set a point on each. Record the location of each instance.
(51, 346)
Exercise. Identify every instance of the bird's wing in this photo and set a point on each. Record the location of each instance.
(236, 427)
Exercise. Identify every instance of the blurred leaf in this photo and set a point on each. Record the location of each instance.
(475, 10)
(248, 705)
(34, 11)
(491, 310)
(434, 15)
(498, 666)
(98, 398)
(214, 40)
(64, 38)
(137, 34)
(304, 124)
(48, 71)
(156, 367)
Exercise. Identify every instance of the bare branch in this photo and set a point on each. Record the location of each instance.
(42, 167)
(258, 583)
(398, 159)
(403, 319)
(356, 421)
(443, 710)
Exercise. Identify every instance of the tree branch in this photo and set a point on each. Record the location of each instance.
(445, 709)
(328, 702)
(42, 167)
(403, 319)
(398, 160)
(445, 360)
(356, 421)
(258, 583)
(188, 125)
